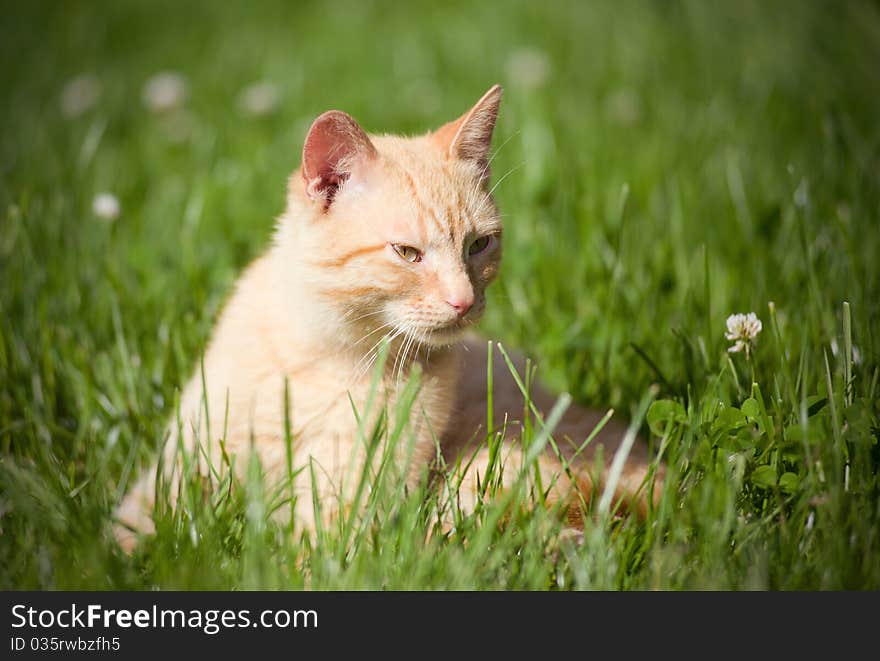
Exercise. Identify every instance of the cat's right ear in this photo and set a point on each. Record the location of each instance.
(334, 144)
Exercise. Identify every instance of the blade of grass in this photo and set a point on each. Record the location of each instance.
(620, 457)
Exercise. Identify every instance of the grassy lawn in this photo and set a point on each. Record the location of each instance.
(665, 166)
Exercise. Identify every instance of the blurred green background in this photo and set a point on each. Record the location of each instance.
(664, 165)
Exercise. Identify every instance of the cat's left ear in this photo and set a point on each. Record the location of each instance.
(469, 137)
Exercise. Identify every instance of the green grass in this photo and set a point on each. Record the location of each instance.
(680, 162)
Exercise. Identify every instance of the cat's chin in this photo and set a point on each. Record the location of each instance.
(443, 336)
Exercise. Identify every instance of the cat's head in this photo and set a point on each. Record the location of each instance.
(399, 235)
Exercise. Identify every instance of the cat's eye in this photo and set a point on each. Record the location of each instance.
(410, 254)
(480, 245)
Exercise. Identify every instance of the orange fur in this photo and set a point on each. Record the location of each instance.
(312, 311)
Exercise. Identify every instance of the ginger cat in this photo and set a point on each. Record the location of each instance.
(382, 237)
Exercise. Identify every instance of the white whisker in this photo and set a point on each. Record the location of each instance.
(398, 356)
(351, 345)
(370, 356)
(498, 151)
(401, 367)
(368, 314)
(506, 175)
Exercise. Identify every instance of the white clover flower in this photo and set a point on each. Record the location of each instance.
(742, 329)
(259, 99)
(165, 91)
(106, 206)
(80, 94)
(528, 67)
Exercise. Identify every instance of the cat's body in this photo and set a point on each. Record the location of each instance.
(383, 237)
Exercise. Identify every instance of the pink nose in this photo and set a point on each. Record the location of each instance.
(461, 305)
